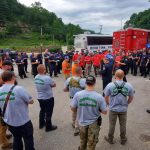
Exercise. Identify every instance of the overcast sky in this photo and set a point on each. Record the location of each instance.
(90, 14)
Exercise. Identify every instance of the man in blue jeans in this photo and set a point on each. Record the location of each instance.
(44, 85)
(16, 115)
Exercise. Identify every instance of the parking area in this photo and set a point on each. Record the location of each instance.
(138, 124)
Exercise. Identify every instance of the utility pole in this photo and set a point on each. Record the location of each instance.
(101, 27)
(67, 39)
(53, 39)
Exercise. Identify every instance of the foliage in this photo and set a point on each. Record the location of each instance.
(140, 20)
(16, 18)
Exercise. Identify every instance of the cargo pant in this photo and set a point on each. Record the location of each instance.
(112, 122)
(89, 136)
(4, 142)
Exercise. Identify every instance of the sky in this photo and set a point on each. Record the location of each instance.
(91, 14)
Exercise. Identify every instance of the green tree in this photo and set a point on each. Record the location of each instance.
(12, 29)
(4, 10)
(140, 20)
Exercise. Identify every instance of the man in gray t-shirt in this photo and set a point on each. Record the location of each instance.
(4, 142)
(73, 85)
(44, 85)
(89, 104)
(16, 114)
(118, 95)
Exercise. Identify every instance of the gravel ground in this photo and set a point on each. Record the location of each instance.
(138, 124)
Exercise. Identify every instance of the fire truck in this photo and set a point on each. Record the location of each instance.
(131, 39)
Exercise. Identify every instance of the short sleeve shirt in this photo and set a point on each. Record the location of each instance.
(73, 90)
(118, 103)
(88, 104)
(16, 113)
(43, 85)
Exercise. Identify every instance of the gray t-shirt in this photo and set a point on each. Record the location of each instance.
(43, 85)
(88, 104)
(72, 89)
(17, 113)
(118, 103)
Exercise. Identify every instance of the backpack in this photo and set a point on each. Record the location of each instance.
(120, 89)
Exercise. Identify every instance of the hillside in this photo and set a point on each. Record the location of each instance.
(140, 20)
(19, 25)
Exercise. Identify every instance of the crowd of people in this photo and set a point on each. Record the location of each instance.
(80, 71)
(130, 62)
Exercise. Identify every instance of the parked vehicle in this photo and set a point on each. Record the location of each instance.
(131, 39)
(11, 53)
(92, 42)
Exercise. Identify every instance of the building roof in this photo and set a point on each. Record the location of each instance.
(93, 35)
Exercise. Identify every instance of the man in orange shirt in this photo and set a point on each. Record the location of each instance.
(66, 68)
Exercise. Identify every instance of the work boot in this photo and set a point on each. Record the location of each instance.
(53, 127)
(8, 146)
(41, 126)
(123, 141)
(148, 110)
(107, 139)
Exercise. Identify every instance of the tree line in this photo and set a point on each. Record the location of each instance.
(139, 20)
(16, 18)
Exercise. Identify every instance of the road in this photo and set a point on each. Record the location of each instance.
(138, 124)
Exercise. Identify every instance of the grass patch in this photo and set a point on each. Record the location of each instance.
(28, 42)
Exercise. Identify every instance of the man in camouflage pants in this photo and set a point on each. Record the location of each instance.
(73, 85)
(88, 103)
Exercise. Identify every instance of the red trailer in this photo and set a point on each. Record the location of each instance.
(130, 39)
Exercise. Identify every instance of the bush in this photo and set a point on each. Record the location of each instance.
(12, 29)
(55, 49)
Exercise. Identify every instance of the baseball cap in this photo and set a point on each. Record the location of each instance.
(90, 80)
(66, 57)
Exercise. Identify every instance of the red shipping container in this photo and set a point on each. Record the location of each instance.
(130, 39)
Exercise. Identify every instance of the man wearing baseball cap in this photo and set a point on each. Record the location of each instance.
(4, 138)
(89, 105)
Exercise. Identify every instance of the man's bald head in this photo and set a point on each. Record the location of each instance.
(119, 74)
